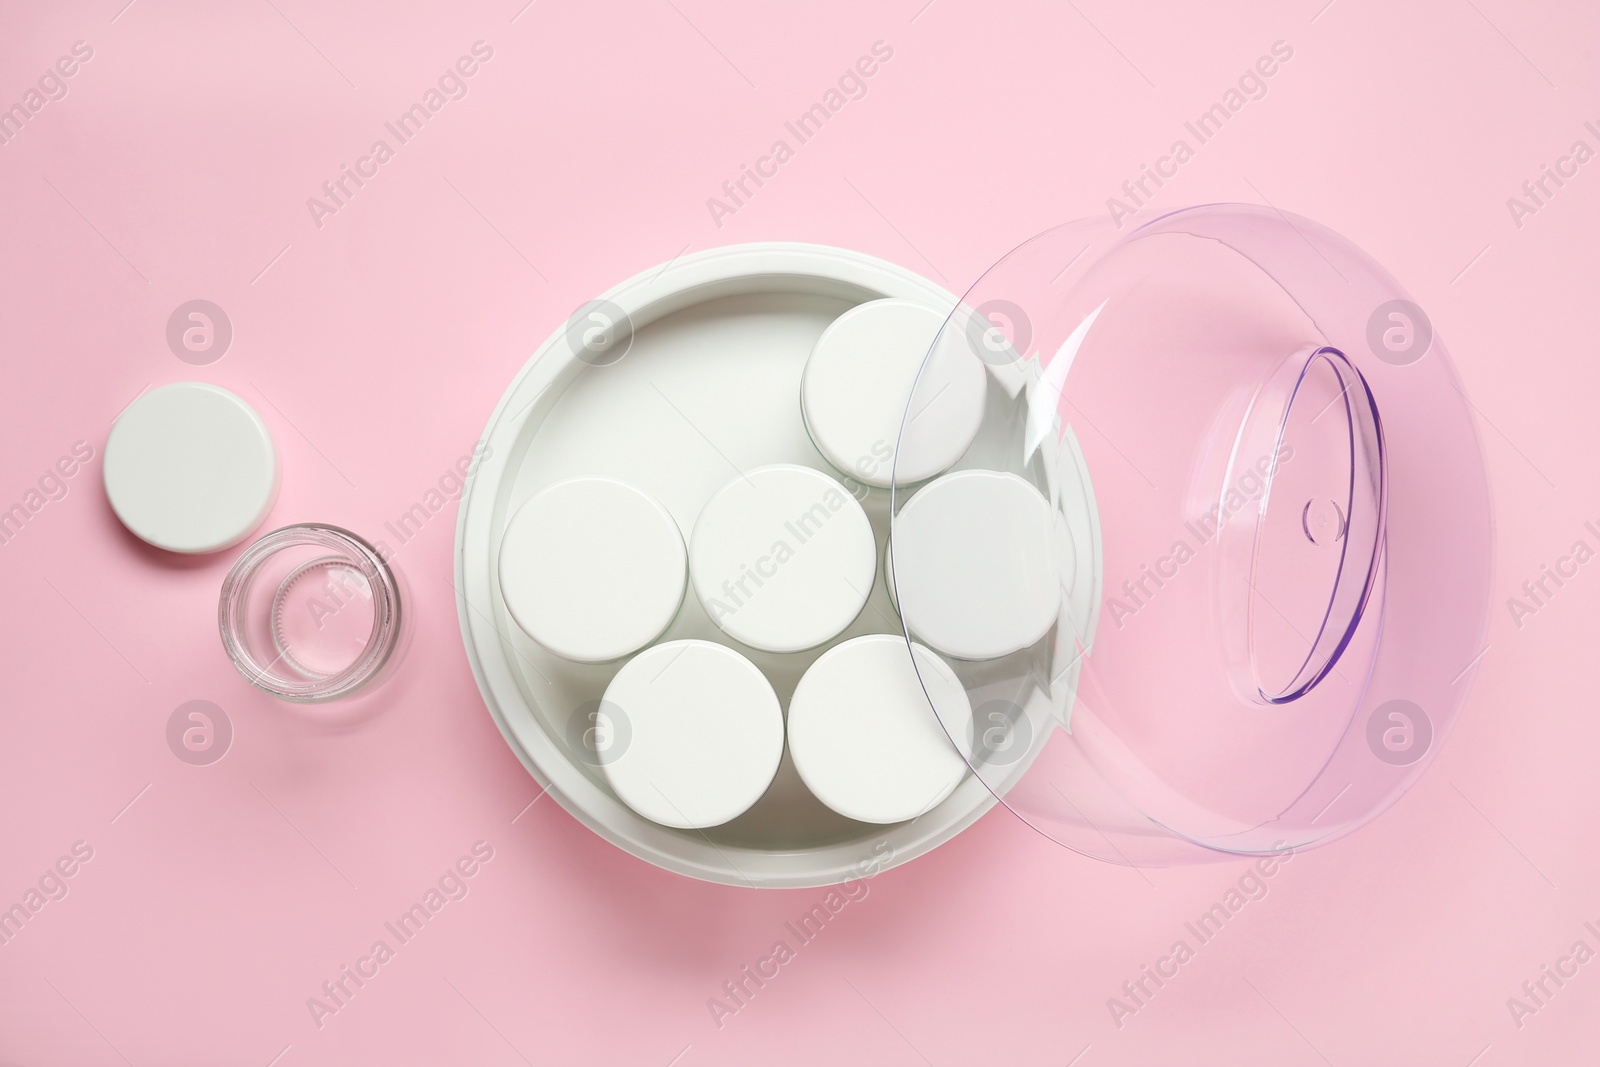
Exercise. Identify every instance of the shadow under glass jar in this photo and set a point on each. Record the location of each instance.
(311, 613)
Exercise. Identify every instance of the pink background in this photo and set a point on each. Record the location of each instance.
(220, 897)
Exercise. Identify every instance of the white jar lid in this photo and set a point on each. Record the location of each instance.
(853, 393)
(697, 734)
(864, 736)
(190, 467)
(592, 568)
(782, 558)
(960, 591)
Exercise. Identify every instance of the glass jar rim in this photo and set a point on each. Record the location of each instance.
(386, 613)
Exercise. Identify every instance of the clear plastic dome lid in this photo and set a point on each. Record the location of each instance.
(1215, 570)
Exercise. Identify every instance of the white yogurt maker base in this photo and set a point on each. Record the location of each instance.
(707, 387)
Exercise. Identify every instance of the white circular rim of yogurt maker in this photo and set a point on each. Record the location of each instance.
(706, 385)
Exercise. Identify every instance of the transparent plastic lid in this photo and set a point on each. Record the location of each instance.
(1215, 571)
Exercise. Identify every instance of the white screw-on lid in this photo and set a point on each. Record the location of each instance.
(698, 734)
(960, 591)
(190, 467)
(592, 568)
(853, 393)
(866, 739)
(782, 558)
